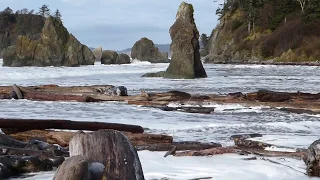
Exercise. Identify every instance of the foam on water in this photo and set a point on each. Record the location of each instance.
(219, 167)
(279, 128)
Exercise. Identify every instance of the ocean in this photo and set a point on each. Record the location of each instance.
(280, 128)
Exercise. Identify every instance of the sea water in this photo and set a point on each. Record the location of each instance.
(280, 128)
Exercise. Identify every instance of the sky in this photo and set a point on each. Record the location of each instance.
(118, 24)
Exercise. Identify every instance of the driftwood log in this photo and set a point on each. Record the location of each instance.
(312, 159)
(62, 138)
(180, 146)
(110, 148)
(30, 124)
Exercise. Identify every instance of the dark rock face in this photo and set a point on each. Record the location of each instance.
(14, 25)
(112, 57)
(56, 47)
(123, 59)
(145, 50)
(109, 57)
(74, 168)
(110, 148)
(185, 56)
(313, 159)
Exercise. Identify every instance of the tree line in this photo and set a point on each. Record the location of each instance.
(310, 9)
(43, 11)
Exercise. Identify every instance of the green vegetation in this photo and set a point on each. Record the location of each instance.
(284, 30)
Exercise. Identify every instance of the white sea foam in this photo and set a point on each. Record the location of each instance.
(219, 167)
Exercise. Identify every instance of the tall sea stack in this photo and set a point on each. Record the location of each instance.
(185, 60)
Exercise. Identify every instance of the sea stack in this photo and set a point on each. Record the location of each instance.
(56, 47)
(145, 50)
(185, 56)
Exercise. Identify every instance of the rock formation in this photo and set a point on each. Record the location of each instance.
(185, 58)
(56, 47)
(145, 50)
(109, 57)
(123, 59)
(97, 53)
(112, 57)
(14, 25)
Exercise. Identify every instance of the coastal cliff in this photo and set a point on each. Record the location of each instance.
(266, 31)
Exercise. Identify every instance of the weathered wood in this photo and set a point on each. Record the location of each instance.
(245, 143)
(62, 138)
(272, 96)
(209, 152)
(66, 124)
(44, 96)
(17, 91)
(312, 159)
(181, 146)
(265, 153)
(112, 149)
(299, 111)
(16, 165)
(245, 136)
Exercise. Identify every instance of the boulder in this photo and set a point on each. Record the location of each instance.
(145, 50)
(312, 159)
(185, 56)
(74, 168)
(109, 57)
(56, 47)
(97, 53)
(123, 59)
(110, 148)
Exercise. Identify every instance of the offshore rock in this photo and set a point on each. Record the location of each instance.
(109, 57)
(56, 47)
(185, 56)
(112, 57)
(145, 50)
(97, 53)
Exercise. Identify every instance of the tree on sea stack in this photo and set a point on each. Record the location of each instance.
(44, 10)
(185, 59)
(57, 15)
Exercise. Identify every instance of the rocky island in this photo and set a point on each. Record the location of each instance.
(56, 47)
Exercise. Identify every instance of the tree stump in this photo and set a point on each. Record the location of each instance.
(312, 159)
(110, 148)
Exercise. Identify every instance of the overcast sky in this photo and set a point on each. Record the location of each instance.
(118, 24)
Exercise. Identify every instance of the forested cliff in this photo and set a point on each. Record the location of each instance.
(271, 31)
(13, 24)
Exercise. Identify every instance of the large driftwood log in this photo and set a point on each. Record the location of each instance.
(110, 148)
(17, 165)
(62, 138)
(30, 124)
(209, 152)
(312, 159)
(44, 96)
(180, 146)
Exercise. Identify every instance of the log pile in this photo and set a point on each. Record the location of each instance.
(294, 102)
